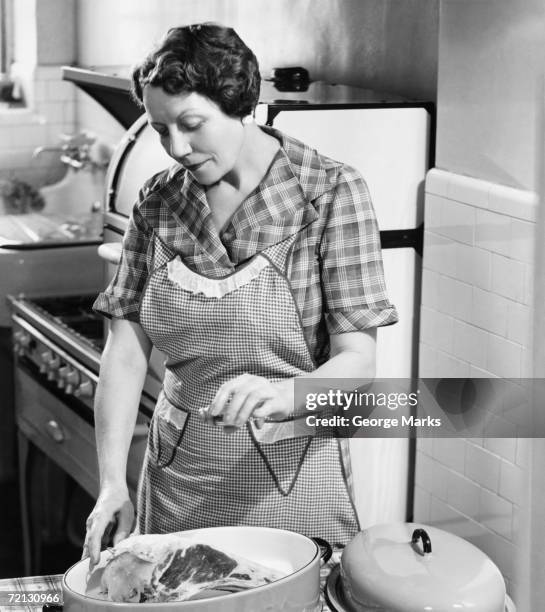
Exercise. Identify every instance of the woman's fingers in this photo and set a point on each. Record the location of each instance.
(223, 396)
(230, 396)
(96, 526)
(125, 520)
(240, 397)
(267, 409)
(251, 392)
(244, 403)
(116, 511)
(259, 408)
(244, 397)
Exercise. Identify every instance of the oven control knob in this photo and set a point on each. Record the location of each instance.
(44, 359)
(84, 389)
(71, 379)
(22, 337)
(62, 375)
(21, 341)
(53, 365)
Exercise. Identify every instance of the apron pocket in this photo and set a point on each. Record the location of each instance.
(274, 431)
(166, 431)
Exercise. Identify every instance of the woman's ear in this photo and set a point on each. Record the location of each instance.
(247, 119)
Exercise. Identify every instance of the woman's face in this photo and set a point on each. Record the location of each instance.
(195, 132)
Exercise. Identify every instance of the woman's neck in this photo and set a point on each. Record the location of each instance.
(256, 155)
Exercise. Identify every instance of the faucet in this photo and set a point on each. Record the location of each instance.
(75, 150)
(39, 150)
(76, 162)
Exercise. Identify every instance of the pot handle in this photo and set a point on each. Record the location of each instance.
(325, 549)
(422, 534)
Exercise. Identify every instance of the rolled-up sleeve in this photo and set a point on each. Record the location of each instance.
(352, 274)
(121, 299)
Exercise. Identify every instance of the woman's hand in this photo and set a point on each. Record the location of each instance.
(113, 508)
(248, 396)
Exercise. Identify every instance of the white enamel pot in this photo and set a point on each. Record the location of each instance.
(409, 567)
(291, 553)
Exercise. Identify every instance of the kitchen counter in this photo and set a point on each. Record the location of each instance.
(13, 591)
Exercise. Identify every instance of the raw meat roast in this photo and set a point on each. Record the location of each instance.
(168, 567)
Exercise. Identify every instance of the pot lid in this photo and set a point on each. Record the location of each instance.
(408, 567)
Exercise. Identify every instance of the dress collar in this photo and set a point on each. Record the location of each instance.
(280, 206)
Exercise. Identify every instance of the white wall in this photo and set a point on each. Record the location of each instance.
(380, 44)
(384, 44)
(45, 31)
(56, 25)
(477, 295)
(476, 321)
(491, 60)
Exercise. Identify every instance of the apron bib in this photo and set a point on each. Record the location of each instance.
(194, 475)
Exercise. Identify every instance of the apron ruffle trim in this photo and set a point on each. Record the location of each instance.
(188, 280)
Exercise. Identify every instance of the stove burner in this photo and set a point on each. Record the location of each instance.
(334, 591)
(66, 305)
(74, 313)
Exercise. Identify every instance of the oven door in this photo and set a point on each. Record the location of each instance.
(59, 426)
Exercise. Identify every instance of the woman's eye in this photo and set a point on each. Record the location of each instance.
(191, 127)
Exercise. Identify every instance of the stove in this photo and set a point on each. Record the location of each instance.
(63, 338)
(72, 315)
(57, 345)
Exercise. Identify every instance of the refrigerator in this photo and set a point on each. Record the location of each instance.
(389, 140)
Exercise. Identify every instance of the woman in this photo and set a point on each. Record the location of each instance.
(252, 261)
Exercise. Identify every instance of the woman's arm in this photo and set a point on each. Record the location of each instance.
(122, 373)
(352, 356)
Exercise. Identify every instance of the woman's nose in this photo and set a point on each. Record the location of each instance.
(179, 145)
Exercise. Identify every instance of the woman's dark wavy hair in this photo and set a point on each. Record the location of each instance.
(205, 58)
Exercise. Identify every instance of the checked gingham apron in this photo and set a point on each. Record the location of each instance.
(195, 475)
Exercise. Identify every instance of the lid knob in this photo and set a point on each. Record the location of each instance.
(422, 534)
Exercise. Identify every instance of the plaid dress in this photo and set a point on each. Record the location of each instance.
(299, 260)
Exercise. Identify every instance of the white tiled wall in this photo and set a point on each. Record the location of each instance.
(476, 322)
(50, 112)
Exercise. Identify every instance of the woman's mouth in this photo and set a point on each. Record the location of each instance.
(194, 167)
